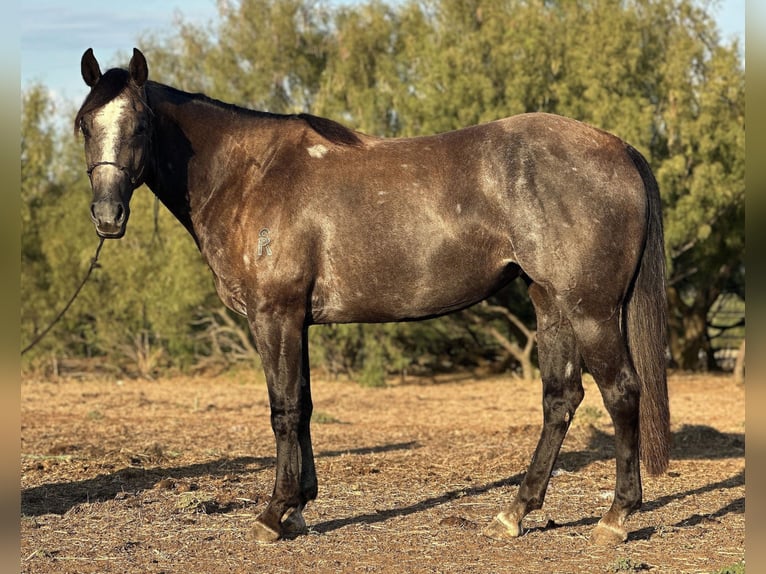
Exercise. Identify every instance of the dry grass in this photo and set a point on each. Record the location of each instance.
(168, 476)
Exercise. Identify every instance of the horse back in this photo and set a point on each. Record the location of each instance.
(391, 229)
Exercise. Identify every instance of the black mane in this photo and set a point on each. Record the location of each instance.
(114, 81)
(330, 130)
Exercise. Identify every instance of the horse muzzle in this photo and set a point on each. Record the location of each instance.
(110, 217)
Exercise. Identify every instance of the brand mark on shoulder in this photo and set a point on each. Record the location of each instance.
(264, 242)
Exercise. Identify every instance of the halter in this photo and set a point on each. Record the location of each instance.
(133, 179)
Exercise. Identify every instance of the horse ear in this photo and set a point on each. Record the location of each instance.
(89, 68)
(139, 72)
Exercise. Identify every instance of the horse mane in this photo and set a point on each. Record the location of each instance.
(114, 81)
(332, 131)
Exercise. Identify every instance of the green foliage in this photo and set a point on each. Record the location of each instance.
(379, 356)
(142, 296)
(655, 73)
(53, 255)
(737, 568)
(148, 287)
(628, 565)
(323, 418)
(589, 415)
(365, 352)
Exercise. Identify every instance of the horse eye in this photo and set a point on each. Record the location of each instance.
(84, 129)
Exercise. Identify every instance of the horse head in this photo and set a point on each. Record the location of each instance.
(115, 122)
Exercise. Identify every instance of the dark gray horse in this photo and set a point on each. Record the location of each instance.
(303, 221)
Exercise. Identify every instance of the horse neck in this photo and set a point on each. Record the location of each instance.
(189, 126)
(170, 153)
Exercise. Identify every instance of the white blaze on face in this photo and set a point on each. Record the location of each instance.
(107, 123)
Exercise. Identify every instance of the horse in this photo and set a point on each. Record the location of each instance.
(303, 221)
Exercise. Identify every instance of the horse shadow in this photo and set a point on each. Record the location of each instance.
(690, 442)
(60, 497)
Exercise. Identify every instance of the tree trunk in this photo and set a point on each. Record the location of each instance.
(522, 355)
(687, 336)
(739, 366)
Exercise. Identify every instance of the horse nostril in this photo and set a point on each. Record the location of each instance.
(120, 214)
(93, 212)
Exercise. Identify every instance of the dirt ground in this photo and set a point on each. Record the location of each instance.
(168, 476)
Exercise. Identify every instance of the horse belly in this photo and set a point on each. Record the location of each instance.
(404, 281)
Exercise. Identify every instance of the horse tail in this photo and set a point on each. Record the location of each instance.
(646, 327)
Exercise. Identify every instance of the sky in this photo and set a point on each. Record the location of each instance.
(54, 34)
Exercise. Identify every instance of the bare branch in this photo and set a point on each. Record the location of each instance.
(499, 310)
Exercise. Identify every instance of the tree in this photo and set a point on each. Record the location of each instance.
(654, 73)
(701, 173)
(37, 149)
(264, 54)
(138, 305)
(360, 83)
(44, 182)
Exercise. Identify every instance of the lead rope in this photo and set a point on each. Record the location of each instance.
(93, 264)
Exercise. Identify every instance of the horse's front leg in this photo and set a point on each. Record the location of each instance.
(282, 342)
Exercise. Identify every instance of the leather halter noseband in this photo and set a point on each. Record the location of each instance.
(133, 179)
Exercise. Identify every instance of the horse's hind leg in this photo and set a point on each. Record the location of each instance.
(562, 394)
(606, 355)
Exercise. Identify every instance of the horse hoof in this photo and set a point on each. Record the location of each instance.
(294, 523)
(262, 533)
(503, 527)
(607, 535)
